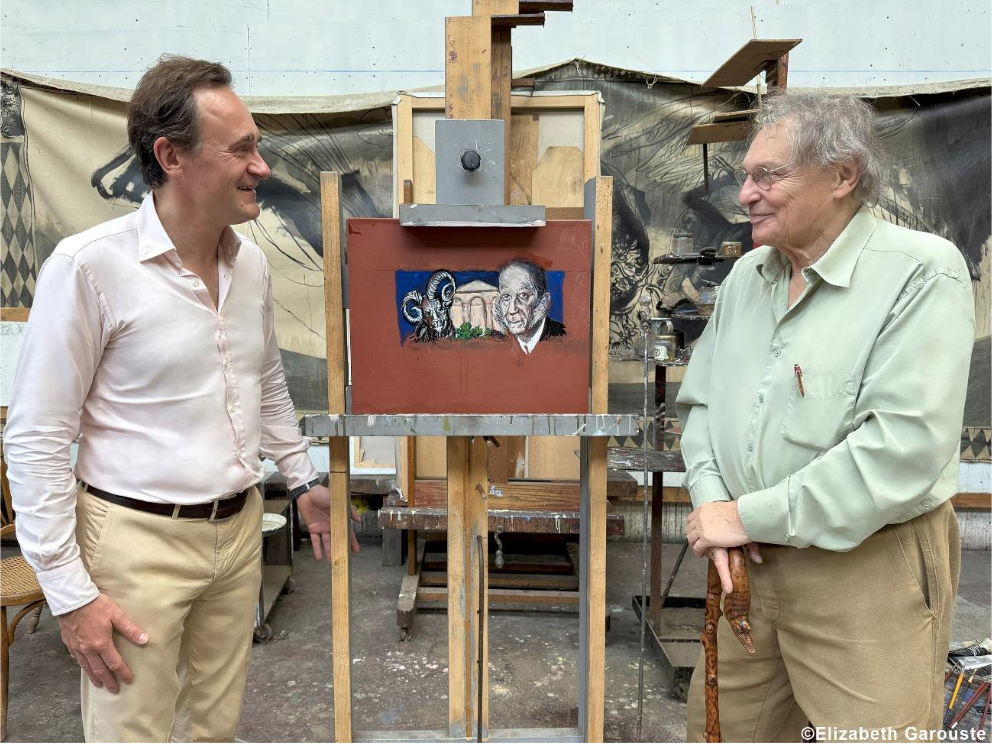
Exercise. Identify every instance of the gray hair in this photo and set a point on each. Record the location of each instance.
(826, 130)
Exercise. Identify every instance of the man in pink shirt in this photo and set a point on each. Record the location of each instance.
(152, 336)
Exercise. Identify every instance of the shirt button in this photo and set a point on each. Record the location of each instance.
(761, 397)
(750, 446)
(196, 283)
(777, 352)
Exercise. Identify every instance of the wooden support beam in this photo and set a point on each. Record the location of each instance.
(590, 150)
(599, 207)
(467, 67)
(337, 367)
(467, 519)
(749, 61)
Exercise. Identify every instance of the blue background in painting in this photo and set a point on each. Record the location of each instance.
(407, 281)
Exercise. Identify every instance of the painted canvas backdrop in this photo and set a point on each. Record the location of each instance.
(65, 167)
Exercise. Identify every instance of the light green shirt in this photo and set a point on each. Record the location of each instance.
(883, 334)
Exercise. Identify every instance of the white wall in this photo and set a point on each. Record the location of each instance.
(315, 47)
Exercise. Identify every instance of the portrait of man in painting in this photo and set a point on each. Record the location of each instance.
(522, 305)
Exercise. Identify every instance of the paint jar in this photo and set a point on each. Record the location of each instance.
(666, 348)
(707, 299)
(663, 345)
(682, 244)
(730, 248)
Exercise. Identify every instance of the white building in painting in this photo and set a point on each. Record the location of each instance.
(474, 304)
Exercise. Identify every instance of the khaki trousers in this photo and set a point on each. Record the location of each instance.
(192, 585)
(845, 640)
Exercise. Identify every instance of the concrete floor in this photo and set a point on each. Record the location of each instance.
(403, 685)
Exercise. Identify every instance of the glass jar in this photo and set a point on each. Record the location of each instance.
(682, 244)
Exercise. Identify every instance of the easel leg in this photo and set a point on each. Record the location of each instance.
(467, 519)
(592, 584)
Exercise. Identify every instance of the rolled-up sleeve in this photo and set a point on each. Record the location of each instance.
(281, 438)
(900, 460)
(702, 476)
(68, 330)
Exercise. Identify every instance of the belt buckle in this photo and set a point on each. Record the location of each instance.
(213, 512)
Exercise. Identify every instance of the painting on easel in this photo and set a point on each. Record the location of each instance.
(469, 320)
(521, 301)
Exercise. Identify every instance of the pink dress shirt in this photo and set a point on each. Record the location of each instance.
(175, 400)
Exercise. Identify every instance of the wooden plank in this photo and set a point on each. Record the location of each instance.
(495, 7)
(523, 157)
(512, 563)
(597, 469)
(457, 591)
(478, 486)
(728, 116)
(503, 461)
(14, 314)
(508, 595)
(501, 73)
(425, 168)
(520, 19)
(467, 67)
(404, 148)
(718, 132)
(337, 367)
(406, 605)
(431, 457)
(972, 500)
(557, 177)
(590, 139)
(602, 255)
(510, 521)
(433, 578)
(552, 458)
(407, 480)
(749, 60)
(563, 213)
(523, 495)
(632, 459)
(777, 73)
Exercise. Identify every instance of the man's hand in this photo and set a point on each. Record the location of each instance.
(712, 529)
(315, 507)
(88, 632)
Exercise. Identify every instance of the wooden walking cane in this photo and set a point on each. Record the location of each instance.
(735, 608)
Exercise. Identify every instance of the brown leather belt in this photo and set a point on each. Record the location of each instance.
(217, 510)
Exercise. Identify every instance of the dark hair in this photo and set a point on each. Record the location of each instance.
(163, 105)
(537, 274)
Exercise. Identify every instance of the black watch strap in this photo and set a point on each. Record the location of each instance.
(303, 489)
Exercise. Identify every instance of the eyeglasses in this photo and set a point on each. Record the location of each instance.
(761, 176)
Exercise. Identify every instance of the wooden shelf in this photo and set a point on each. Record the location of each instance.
(756, 56)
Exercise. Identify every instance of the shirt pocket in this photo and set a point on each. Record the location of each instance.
(824, 416)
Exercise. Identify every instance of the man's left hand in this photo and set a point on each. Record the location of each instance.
(315, 509)
(715, 524)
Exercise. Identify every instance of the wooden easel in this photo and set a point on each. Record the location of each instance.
(477, 66)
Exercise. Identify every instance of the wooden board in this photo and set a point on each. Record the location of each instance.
(424, 188)
(467, 67)
(718, 132)
(509, 521)
(557, 177)
(528, 494)
(523, 157)
(393, 372)
(749, 60)
(337, 367)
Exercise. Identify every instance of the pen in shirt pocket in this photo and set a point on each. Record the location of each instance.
(799, 380)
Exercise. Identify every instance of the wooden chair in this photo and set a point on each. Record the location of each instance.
(18, 585)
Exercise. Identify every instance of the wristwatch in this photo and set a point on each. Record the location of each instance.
(303, 489)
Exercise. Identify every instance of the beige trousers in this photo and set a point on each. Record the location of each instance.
(192, 585)
(845, 640)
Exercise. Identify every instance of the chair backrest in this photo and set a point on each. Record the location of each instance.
(6, 508)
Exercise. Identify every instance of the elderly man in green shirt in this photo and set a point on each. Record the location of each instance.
(822, 414)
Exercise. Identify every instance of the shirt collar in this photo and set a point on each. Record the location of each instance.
(838, 262)
(153, 241)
